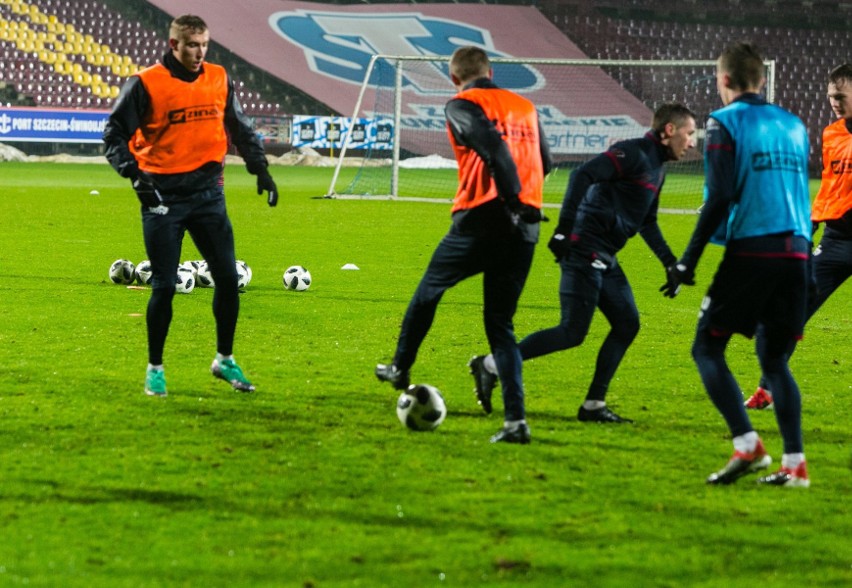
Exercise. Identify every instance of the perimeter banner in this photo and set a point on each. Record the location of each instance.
(328, 132)
(48, 125)
(324, 50)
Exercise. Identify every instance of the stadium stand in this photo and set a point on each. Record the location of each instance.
(805, 38)
(77, 54)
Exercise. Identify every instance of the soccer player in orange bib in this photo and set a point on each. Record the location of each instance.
(168, 133)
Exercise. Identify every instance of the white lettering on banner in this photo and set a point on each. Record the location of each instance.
(90, 126)
(50, 124)
(22, 124)
(429, 124)
(565, 134)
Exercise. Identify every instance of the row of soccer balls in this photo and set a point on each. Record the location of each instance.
(192, 273)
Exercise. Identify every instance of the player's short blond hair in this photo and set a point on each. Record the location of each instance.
(469, 63)
(184, 23)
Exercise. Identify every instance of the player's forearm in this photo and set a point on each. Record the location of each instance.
(243, 135)
(122, 124)
(714, 213)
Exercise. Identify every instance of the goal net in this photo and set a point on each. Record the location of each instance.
(397, 137)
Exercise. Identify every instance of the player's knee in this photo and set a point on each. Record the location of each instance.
(772, 359)
(161, 295)
(706, 348)
(570, 336)
(626, 330)
(227, 283)
(163, 285)
(225, 276)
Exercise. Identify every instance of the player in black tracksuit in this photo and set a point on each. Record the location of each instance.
(503, 157)
(168, 133)
(609, 199)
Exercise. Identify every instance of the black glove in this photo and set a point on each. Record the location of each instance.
(266, 183)
(676, 275)
(524, 212)
(559, 244)
(145, 191)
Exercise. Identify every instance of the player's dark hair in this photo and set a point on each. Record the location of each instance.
(469, 63)
(187, 22)
(841, 73)
(743, 64)
(671, 112)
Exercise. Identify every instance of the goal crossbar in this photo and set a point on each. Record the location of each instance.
(648, 92)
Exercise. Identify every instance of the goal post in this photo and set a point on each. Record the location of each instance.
(584, 106)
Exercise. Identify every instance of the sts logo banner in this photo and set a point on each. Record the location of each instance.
(340, 45)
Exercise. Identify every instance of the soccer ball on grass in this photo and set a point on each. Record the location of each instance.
(143, 272)
(243, 275)
(297, 278)
(122, 271)
(203, 277)
(246, 270)
(421, 407)
(185, 279)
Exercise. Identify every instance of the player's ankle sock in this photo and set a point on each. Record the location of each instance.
(746, 443)
(512, 425)
(490, 365)
(792, 460)
(220, 357)
(155, 367)
(594, 404)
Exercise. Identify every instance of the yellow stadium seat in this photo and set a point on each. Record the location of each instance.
(83, 78)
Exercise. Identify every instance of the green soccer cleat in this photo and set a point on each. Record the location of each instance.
(228, 370)
(155, 382)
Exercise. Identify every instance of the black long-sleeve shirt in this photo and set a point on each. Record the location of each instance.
(614, 195)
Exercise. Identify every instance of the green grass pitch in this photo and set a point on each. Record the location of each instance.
(312, 481)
